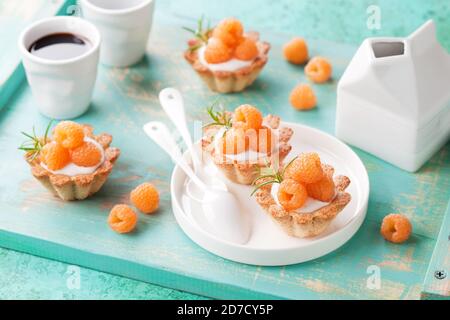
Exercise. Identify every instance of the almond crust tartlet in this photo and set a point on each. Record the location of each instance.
(245, 172)
(231, 81)
(305, 224)
(81, 186)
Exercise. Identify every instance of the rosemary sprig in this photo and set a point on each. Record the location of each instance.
(219, 118)
(201, 34)
(34, 144)
(273, 175)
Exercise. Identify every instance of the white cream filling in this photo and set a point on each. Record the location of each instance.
(309, 206)
(248, 155)
(230, 65)
(72, 169)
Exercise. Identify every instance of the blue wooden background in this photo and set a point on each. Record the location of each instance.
(423, 197)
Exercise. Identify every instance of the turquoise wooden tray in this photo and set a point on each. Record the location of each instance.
(33, 221)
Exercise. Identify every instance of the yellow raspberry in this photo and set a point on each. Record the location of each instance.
(122, 218)
(302, 97)
(324, 189)
(246, 50)
(217, 52)
(318, 70)
(306, 168)
(396, 228)
(230, 31)
(291, 194)
(86, 155)
(296, 51)
(145, 197)
(69, 134)
(54, 156)
(247, 117)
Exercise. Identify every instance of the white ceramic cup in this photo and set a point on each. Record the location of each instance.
(124, 25)
(61, 88)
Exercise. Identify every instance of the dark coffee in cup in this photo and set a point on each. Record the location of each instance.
(60, 46)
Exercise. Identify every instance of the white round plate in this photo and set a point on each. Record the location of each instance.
(268, 244)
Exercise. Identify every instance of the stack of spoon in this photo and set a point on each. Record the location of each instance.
(220, 207)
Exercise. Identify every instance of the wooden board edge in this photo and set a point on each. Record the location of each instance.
(437, 278)
(135, 271)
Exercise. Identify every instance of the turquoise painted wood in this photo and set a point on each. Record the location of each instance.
(124, 96)
(23, 276)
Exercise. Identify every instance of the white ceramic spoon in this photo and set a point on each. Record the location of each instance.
(220, 207)
(172, 103)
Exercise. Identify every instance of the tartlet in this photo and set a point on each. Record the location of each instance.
(246, 171)
(227, 81)
(303, 224)
(81, 186)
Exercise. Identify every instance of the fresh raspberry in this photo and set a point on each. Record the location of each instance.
(217, 52)
(261, 140)
(234, 141)
(230, 31)
(324, 189)
(145, 197)
(54, 156)
(302, 97)
(247, 117)
(318, 70)
(86, 155)
(122, 218)
(306, 168)
(296, 51)
(396, 228)
(291, 194)
(246, 50)
(69, 134)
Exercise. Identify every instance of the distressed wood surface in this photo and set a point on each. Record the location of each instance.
(33, 221)
(437, 279)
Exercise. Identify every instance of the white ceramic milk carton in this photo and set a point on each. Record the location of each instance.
(394, 98)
